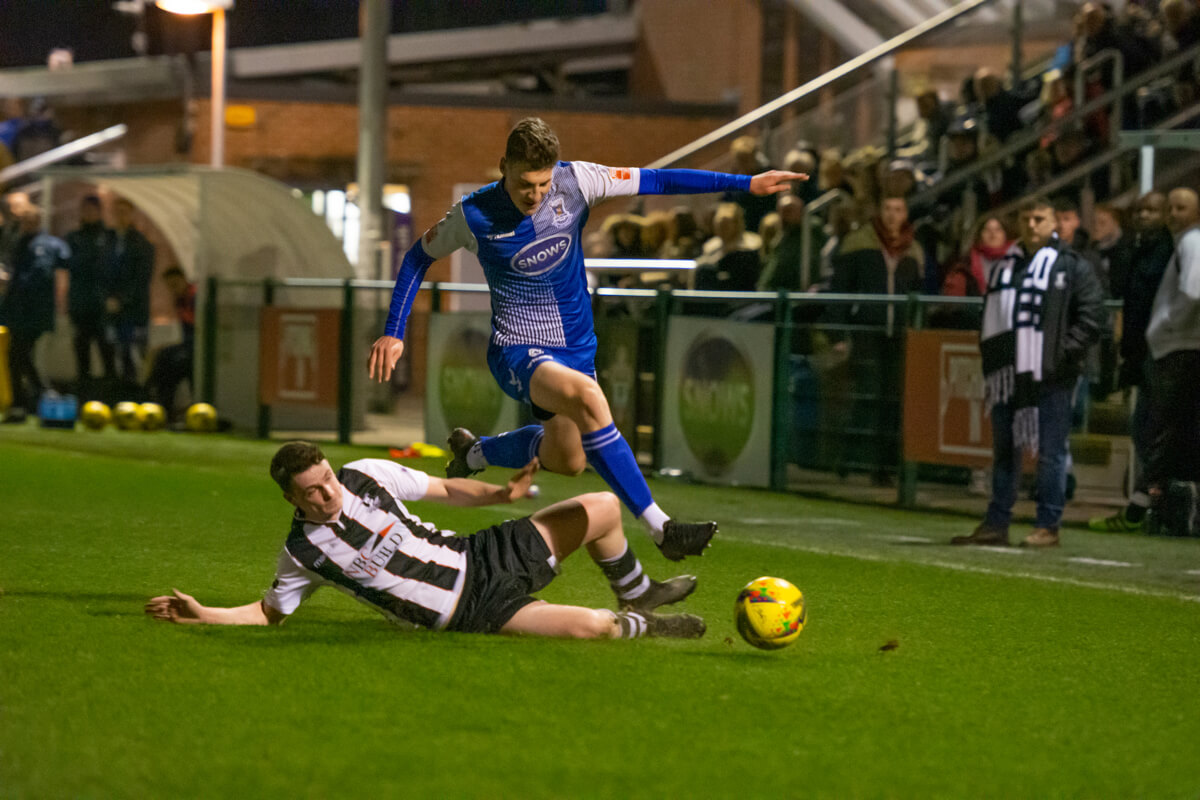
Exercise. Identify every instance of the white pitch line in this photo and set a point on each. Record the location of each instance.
(1192, 572)
(890, 537)
(1101, 562)
(835, 521)
(1008, 551)
(1112, 587)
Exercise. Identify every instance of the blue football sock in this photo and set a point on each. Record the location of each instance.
(513, 449)
(610, 455)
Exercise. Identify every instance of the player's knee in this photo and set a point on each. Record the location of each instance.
(585, 402)
(593, 400)
(603, 509)
(573, 464)
(596, 624)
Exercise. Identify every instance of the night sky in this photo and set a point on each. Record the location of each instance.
(29, 29)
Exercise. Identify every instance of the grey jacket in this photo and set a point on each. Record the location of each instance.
(1175, 316)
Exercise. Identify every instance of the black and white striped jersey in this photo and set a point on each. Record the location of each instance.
(377, 551)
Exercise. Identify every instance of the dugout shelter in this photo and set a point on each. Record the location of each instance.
(230, 224)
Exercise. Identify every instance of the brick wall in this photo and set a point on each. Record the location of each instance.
(699, 51)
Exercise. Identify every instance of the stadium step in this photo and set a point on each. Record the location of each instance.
(1102, 464)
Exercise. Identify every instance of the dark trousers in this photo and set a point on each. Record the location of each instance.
(1141, 430)
(1054, 426)
(131, 349)
(27, 385)
(1175, 419)
(90, 329)
(172, 366)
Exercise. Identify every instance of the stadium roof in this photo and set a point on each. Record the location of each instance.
(582, 55)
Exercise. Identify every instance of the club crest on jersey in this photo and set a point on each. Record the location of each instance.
(562, 218)
(542, 255)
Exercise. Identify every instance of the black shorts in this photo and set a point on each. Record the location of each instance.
(505, 565)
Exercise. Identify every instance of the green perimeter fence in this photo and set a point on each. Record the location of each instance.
(755, 382)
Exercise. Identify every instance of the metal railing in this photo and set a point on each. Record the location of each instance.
(827, 199)
(1118, 77)
(1021, 141)
(808, 89)
(1082, 172)
(856, 416)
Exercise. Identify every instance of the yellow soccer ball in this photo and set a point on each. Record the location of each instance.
(201, 418)
(128, 416)
(770, 613)
(154, 416)
(95, 415)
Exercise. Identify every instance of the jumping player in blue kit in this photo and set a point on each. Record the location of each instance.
(526, 231)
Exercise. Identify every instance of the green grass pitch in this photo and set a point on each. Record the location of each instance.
(1068, 673)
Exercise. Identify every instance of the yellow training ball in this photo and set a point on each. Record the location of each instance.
(201, 418)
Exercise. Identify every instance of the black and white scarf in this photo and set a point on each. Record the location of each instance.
(1011, 339)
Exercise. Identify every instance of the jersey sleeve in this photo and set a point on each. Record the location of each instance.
(450, 234)
(598, 182)
(399, 481)
(293, 585)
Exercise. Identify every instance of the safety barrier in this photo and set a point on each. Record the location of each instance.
(728, 386)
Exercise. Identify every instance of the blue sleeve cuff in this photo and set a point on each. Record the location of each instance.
(690, 181)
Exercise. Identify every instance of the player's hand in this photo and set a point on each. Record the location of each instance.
(775, 181)
(178, 607)
(384, 354)
(522, 479)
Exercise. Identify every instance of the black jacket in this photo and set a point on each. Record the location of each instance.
(1151, 251)
(133, 267)
(1073, 316)
(859, 268)
(91, 266)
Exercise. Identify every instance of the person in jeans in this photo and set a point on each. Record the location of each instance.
(1043, 309)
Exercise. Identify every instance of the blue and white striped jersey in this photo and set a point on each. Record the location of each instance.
(534, 264)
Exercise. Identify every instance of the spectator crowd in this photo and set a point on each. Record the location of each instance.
(939, 214)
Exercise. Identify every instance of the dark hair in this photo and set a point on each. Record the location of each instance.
(981, 223)
(532, 143)
(1035, 202)
(1065, 204)
(291, 459)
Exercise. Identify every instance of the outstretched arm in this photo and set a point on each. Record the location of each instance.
(451, 233)
(470, 492)
(695, 181)
(183, 609)
(775, 181)
(386, 350)
(598, 182)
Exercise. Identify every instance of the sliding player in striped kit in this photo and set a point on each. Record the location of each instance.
(526, 231)
(352, 531)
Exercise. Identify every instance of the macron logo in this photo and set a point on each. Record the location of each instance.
(542, 255)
